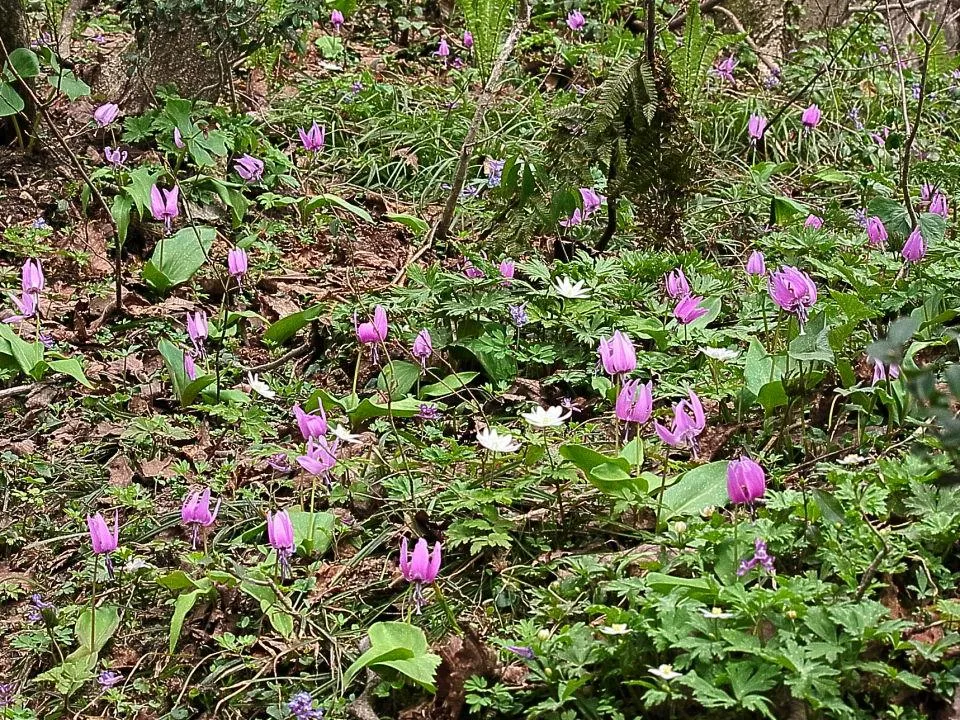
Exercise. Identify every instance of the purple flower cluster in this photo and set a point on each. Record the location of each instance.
(760, 558)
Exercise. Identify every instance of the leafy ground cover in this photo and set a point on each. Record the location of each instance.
(291, 453)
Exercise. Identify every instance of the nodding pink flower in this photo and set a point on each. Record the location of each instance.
(280, 537)
(373, 332)
(813, 221)
(102, 539)
(591, 201)
(178, 138)
(115, 157)
(320, 458)
(724, 69)
(617, 354)
(419, 568)
(423, 347)
(189, 366)
(31, 277)
(938, 205)
(196, 512)
(197, 329)
(881, 372)
(336, 19)
(27, 305)
(106, 114)
(237, 262)
(688, 422)
(811, 117)
(163, 204)
(635, 402)
(443, 49)
(507, 270)
(249, 168)
(756, 126)
(314, 138)
(468, 39)
(689, 309)
(793, 290)
(677, 285)
(927, 190)
(915, 247)
(576, 21)
(756, 264)
(471, 270)
(746, 481)
(311, 426)
(876, 231)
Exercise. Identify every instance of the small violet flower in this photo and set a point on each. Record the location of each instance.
(760, 557)
(518, 315)
(115, 157)
(724, 69)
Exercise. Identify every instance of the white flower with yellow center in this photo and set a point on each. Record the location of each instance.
(665, 671)
(495, 442)
(551, 417)
(566, 288)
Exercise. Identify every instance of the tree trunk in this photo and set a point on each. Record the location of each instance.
(13, 34)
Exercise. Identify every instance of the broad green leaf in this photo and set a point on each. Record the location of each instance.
(25, 62)
(814, 343)
(71, 367)
(632, 452)
(27, 355)
(10, 102)
(399, 376)
(141, 180)
(405, 407)
(286, 327)
(327, 199)
(418, 226)
(175, 259)
(69, 84)
(183, 605)
(448, 385)
(176, 580)
(784, 209)
(185, 389)
(92, 636)
(120, 212)
(698, 489)
(663, 584)
(400, 647)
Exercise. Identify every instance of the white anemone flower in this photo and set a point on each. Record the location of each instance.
(716, 613)
(720, 354)
(260, 387)
(551, 417)
(665, 671)
(565, 287)
(341, 432)
(615, 629)
(495, 442)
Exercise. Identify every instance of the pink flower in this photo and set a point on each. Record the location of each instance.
(688, 422)
(27, 305)
(746, 481)
(101, 538)
(507, 270)
(915, 248)
(115, 157)
(237, 262)
(617, 354)
(189, 366)
(876, 231)
(443, 49)
(422, 566)
(280, 537)
(576, 21)
(882, 373)
(106, 114)
(336, 19)
(178, 138)
(467, 39)
(321, 456)
(471, 270)
(793, 291)
(689, 309)
(756, 126)
(196, 511)
(249, 168)
(813, 221)
(311, 426)
(938, 205)
(31, 277)
(423, 347)
(756, 264)
(314, 138)
(811, 117)
(677, 285)
(375, 331)
(635, 402)
(591, 200)
(197, 329)
(163, 204)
